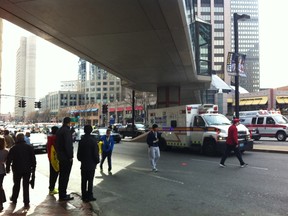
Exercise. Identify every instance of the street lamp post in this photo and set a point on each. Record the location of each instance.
(237, 17)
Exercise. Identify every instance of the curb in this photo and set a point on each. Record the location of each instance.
(271, 151)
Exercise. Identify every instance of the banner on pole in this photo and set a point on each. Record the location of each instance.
(231, 64)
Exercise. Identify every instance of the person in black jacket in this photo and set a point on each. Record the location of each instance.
(153, 146)
(22, 158)
(88, 154)
(64, 149)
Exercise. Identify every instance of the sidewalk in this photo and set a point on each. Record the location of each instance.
(41, 203)
(270, 148)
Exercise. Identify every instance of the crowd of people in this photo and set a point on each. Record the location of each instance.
(18, 155)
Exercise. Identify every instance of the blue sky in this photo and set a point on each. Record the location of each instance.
(55, 64)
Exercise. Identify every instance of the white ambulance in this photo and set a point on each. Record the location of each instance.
(196, 126)
(268, 123)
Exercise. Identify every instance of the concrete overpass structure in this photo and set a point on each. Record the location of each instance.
(152, 45)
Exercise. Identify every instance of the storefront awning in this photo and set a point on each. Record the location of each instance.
(263, 101)
(282, 99)
(111, 109)
(128, 108)
(120, 109)
(253, 101)
(229, 100)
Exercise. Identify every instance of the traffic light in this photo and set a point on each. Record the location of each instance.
(37, 104)
(19, 103)
(23, 103)
(105, 108)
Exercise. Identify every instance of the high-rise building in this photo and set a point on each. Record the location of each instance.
(25, 76)
(220, 14)
(99, 85)
(248, 40)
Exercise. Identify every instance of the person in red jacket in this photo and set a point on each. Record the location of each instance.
(51, 140)
(232, 144)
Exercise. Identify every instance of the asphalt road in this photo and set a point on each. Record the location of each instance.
(187, 184)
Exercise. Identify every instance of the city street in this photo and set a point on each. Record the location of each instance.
(187, 183)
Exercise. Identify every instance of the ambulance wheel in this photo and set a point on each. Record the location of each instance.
(281, 136)
(209, 148)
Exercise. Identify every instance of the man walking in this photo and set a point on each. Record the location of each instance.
(64, 149)
(153, 146)
(107, 149)
(23, 161)
(232, 144)
(88, 154)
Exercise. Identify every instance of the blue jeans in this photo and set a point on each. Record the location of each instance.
(108, 155)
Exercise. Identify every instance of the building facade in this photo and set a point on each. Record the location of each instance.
(56, 101)
(220, 14)
(25, 76)
(99, 85)
(71, 85)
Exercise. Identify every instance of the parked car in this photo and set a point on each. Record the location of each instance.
(80, 133)
(102, 131)
(129, 131)
(38, 141)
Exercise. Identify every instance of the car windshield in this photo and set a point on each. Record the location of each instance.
(216, 120)
(281, 119)
(102, 131)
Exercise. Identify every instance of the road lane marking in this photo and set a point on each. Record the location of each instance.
(167, 179)
(140, 170)
(230, 164)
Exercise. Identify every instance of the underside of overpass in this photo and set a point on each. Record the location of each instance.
(147, 43)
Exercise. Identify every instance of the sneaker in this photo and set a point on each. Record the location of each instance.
(155, 170)
(222, 165)
(244, 165)
(55, 191)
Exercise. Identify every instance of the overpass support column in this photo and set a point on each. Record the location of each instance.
(168, 96)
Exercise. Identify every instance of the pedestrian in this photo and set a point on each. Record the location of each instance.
(3, 158)
(153, 146)
(52, 156)
(27, 138)
(64, 149)
(88, 155)
(73, 132)
(107, 149)
(23, 161)
(232, 144)
(8, 139)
